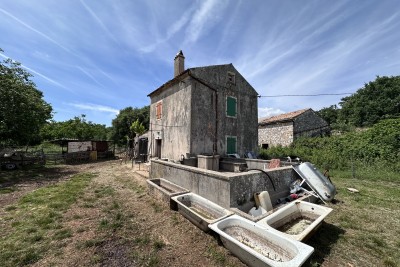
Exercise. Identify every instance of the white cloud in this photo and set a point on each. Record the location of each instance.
(94, 107)
(268, 112)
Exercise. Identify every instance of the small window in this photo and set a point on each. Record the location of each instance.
(231, 145)
(231, 106)
(231, 77)
(159, 110)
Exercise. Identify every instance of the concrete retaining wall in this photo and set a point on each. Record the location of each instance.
(227, 189)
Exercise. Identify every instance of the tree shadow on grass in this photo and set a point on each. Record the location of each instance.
(33, 174)
(322, 241)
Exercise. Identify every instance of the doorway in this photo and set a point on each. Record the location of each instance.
(158, 148)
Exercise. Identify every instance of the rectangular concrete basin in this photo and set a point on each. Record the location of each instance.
(200, 211)
(164, 190)
(297, 220)
(257, 246)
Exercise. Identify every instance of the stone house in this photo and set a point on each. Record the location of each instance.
(203, 110)
(285, 128)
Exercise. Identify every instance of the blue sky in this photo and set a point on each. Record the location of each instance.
(96, 57)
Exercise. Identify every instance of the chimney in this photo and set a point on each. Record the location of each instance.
(179, 64)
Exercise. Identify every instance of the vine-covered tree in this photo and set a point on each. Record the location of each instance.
(23, 110)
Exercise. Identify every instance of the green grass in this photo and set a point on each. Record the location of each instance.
(362, 227)
(37, 220)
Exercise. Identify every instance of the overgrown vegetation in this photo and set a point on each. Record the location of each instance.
(377, 148)
(36, 221)
(376, 101)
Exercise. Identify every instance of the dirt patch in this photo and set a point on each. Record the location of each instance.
(116, 223)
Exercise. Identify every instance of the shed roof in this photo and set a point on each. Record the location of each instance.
(282, 117)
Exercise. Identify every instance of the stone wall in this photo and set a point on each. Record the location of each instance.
(310, 124)
(276, 134)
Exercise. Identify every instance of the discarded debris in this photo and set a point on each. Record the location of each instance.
(353, 190)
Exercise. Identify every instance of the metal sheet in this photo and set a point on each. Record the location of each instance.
(316, 180)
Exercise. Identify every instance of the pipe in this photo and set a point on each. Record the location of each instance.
(265, 174)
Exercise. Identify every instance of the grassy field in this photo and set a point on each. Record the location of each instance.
(101, 216)
(363, 228)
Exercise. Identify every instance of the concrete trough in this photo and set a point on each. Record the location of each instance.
(258, 246)
(164, 190)
(200, 211)
(297, 220)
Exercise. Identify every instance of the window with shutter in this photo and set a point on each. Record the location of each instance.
(159, 110)
(231, 106)
(231, 145)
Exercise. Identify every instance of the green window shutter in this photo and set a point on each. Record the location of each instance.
(231, 106)
(230, 145)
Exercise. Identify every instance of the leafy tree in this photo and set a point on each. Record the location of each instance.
(138, 128)
(22, 108)
(123, 122)
(329, 114)
(76, 128)
(377, 100)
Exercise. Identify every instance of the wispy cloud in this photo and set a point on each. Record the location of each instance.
(205, 17)
(98, 20)
(38, 74)
(35, 30)
(90, 76)
(94, 107)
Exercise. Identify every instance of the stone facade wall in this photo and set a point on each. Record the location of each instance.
(276, 134)
(310, 124)
(174, 124)
(284, 133)
(244, 126)
(194, 114)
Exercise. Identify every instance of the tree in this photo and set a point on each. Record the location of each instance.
(377, 100)
(123, 122)
(22, 108)
(329, 114)
(77, 128)
(138, 128)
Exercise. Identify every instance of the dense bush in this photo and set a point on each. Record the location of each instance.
(379, 145)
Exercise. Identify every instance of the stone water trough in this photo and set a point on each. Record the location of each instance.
(164, 190)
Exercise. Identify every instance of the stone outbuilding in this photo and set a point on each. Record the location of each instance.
(204, 110)
(285, 128)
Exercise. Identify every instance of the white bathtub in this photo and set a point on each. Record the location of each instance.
(200, 211)
(297, 220)
(258, 246)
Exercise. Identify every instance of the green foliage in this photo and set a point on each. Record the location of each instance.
(76, 128)
(138, 128)
(123, 122)
(329, 114)
(22, 108)
(377, 100)
(377, 146)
